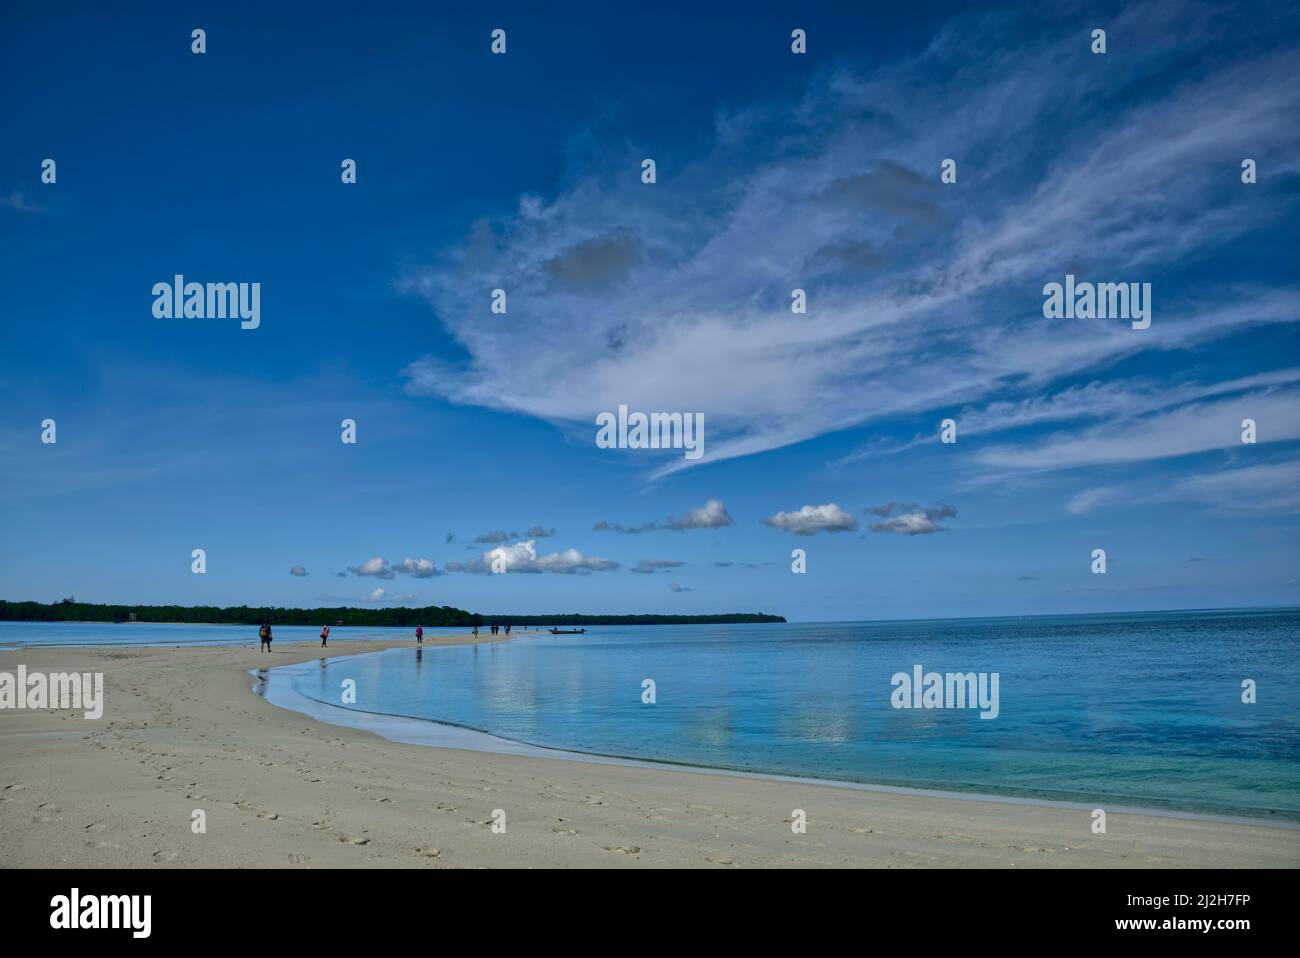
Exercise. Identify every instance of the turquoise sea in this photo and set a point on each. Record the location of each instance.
(1127, 709)
(1140, 709)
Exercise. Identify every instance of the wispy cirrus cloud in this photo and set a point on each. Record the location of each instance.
(1182, 431)
(921, 297)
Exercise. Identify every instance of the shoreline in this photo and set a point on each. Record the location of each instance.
(431, 733)
(182, 731)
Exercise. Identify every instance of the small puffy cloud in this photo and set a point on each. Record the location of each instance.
(382, 595)
(603, 526)
(341, 575)
(451, 537)
(711, 515)
(523, 557)
(417, 568)
(680, 588)
(376, 566)
(380, 568)
(909, 519)
(650, 566)
(298, 571)
(811, 520)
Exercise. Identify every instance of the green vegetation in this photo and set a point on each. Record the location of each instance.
(70, 610)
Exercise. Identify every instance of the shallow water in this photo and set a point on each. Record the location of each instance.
(1135, 709)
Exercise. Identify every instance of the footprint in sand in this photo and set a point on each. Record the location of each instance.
(719, 861)
(164, 858)
(624, 849)
(429, 852)
(96, 827)
(564, 831)
(269, 816)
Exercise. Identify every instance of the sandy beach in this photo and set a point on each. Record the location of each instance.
(182, 730)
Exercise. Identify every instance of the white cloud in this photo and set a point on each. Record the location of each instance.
(376, 566)
(813, 519)
(909, 519)
(1268, 489)
(711, 515)
(298, 571)
(417, 568)
(694, 276)
(523, 557)
(382, 595)
(1189, 429)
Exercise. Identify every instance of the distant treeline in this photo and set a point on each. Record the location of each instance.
(70, 610)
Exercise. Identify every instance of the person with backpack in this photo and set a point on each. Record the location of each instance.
(324, 636)
(265, 634)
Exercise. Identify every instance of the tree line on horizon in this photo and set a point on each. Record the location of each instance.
(434, 616)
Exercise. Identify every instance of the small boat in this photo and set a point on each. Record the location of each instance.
(567, 631)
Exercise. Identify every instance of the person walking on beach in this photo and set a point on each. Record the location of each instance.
(476, 631)
(324, 635)
(419, 635)
(265, 633)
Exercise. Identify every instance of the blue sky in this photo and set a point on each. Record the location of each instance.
(775, 171)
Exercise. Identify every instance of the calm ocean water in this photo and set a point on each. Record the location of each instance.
(1126, 709)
